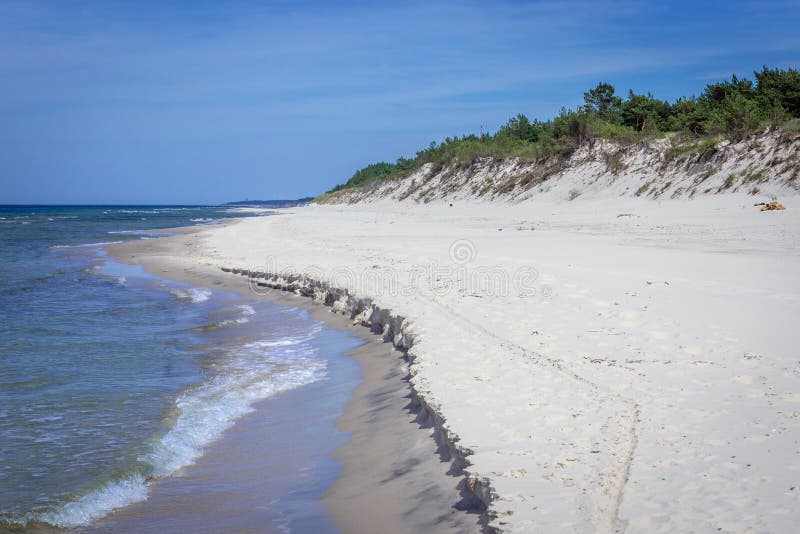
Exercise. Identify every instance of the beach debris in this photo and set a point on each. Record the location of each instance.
(770, 206)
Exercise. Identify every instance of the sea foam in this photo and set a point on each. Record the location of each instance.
(252, 372)
(97, 504)
(192, 294)
(100, 244)
(245, 310)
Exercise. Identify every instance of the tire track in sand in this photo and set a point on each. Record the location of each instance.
(606, 518)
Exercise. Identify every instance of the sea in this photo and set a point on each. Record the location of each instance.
(114, 381)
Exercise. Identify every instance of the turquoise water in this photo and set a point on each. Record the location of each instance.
(110, 378)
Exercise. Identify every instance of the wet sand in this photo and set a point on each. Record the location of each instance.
(390, 476)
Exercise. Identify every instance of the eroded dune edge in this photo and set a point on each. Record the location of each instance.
(394, 329)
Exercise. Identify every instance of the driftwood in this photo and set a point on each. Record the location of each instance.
(770, 206)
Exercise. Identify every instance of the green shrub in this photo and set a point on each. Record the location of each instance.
(790, 129)
(644, 113)
(620, 133)
(729, 181)
(735, 116)
(779, 89)
(702, 149)
(753, 176)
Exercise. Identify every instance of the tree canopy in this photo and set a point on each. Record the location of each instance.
(603, 102)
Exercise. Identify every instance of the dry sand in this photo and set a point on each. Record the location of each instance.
(607, 365)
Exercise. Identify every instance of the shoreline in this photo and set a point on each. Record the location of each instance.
(397, 473)
(623, 362)
(638, 373)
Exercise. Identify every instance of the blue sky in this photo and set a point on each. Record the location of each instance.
(207, 102)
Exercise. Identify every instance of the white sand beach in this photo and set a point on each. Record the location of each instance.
(603, 365)
(400, 267)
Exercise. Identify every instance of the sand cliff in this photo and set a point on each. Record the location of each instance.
(761, 165)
